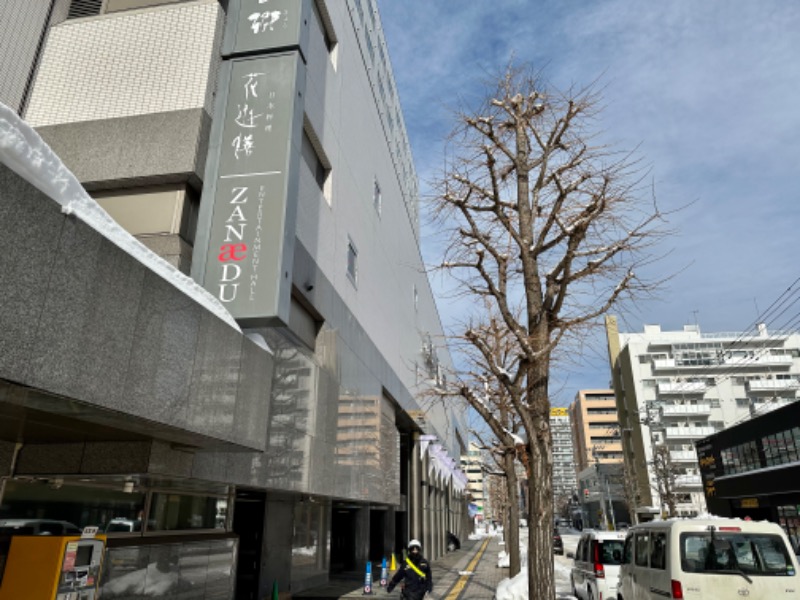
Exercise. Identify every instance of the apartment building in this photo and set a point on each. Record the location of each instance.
(673, 388)
(261, 150)
(472, 466)
(595, 428)
(564, 483)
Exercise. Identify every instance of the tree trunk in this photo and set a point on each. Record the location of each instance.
(541, 582)
(512, 531)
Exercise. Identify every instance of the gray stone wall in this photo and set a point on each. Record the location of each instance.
(85, 321)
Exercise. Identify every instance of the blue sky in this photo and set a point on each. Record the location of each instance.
(710, 93)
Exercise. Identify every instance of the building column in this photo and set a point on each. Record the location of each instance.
(415, 491)
(276, 553)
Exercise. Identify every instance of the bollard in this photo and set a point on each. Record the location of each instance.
(384, 573)
(275, 590)
(393, 566)
(368, 581)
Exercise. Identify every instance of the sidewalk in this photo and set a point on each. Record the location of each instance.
(451, 578)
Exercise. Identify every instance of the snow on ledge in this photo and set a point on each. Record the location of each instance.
(23, 151)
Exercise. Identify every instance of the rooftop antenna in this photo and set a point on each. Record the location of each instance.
(694, 312)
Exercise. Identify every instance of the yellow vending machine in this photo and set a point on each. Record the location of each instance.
(52, 567)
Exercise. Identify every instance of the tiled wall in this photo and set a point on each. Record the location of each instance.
(131, 63)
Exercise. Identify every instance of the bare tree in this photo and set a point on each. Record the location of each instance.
(665, 473)
(548, 225)
(631, 495)
(496, 410)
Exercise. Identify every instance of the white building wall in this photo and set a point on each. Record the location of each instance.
(153, 60)
(682, 403)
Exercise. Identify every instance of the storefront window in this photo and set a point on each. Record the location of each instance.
(42, 507)
(177, 512)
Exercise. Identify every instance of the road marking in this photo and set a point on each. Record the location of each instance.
(456, 590)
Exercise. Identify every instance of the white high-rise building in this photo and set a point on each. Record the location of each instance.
(564, 484)
(674, 388)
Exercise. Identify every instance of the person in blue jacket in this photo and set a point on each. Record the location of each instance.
(416, 571)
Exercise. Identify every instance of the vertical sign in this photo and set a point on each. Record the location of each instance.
(263, 25)
(246, 227)
(708, 468)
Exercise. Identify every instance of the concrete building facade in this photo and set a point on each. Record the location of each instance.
(295, 441)
(673, 388)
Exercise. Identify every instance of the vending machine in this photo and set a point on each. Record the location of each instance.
(52, 568)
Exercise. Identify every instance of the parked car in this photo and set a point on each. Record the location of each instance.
(595, 571)
(558, 543)
(708, 558)
(37, 527)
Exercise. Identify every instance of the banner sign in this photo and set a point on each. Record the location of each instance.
(246, 227)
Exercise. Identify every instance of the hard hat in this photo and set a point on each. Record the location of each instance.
(413, 543)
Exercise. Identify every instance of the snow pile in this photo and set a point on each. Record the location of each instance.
(25, 153)
(515, 588)
(503, 560)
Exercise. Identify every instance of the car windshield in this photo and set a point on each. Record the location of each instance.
(746, 553)
(611, 552)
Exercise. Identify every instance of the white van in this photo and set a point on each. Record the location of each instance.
(695, 559)
(595, 572)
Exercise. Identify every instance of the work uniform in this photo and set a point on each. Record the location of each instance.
(417, 575)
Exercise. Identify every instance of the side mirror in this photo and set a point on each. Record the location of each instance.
(570, 555)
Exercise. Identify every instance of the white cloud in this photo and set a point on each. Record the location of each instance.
(709, 89)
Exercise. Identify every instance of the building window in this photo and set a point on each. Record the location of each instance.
(171, 512)
(377, 199)
(317, 161)
(352, 261)
(326, 25)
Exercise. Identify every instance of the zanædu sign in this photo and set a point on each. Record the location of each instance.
(246, 226)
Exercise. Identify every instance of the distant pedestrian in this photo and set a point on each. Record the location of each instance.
(416, 571)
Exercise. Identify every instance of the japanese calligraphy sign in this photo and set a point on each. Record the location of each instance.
(263, 25)
(248, 209)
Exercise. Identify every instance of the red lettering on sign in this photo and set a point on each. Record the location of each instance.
(232, 252)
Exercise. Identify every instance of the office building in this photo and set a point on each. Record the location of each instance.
(673, 388)
(276, 416)
(750, 470)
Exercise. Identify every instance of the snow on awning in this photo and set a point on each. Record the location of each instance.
(23, 151)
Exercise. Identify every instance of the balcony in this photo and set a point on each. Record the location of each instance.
(681, 410)
(663, 363)
(683, 456)
(683, 387)
(688, 481)
(759, 408)
(678, 433)
(772, 385)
